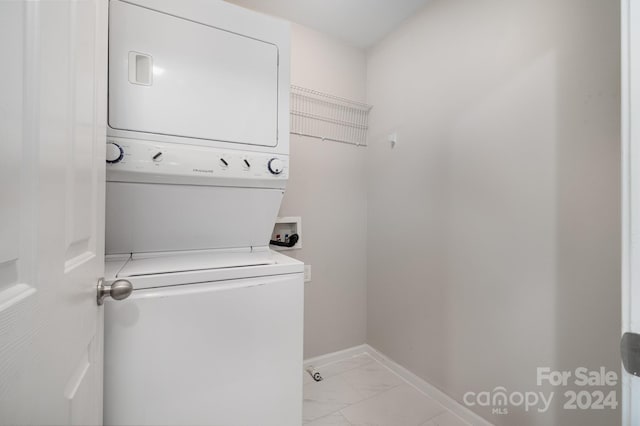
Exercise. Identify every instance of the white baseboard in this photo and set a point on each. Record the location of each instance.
(337, 356)
(421, 385)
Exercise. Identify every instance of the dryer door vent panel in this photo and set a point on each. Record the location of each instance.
(169, 76)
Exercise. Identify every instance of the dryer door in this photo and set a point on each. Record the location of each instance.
(175, 77)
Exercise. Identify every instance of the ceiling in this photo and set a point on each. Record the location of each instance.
(360, 23)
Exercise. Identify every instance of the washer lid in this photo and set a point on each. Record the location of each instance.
(163, 263)
(146, 270)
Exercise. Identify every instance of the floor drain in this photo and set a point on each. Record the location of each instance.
(315, 374)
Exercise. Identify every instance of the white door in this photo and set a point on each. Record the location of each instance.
(630, 346)
(52, 136)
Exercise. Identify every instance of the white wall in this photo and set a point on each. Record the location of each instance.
(327, 189)
(493, 226)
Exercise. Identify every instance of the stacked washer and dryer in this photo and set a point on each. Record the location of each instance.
(197, 163)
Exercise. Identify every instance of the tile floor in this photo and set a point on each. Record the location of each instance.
(361, 391)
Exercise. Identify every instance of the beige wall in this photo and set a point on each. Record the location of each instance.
(327, 189)
(493, 226)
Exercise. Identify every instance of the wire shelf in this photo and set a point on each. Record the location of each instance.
(328, 117)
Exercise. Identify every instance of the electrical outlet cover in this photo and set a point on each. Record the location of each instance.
(307, 273)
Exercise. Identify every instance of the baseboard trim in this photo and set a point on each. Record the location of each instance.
(413, 380)
(337, 356)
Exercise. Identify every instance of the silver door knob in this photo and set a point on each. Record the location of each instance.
(118, 290)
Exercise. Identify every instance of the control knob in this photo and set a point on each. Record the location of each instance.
(114, 153)
(276, 166)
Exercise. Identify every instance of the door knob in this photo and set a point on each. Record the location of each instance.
(630, 349)
(118, 290)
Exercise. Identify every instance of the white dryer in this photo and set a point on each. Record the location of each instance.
(198, 125)
(198, 160)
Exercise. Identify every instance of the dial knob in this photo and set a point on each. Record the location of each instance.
(276, 166)
(114, 153)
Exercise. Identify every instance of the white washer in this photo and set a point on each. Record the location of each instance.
(207, 338)
(197, 153)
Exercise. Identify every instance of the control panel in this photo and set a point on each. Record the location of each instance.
(132, 160)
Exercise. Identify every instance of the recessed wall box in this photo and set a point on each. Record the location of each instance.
(284, 228)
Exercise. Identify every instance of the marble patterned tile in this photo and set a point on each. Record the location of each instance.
(371, 379)
(339, 367)
(335, 419)
(402, 405)
(446, 419)
(328, 396)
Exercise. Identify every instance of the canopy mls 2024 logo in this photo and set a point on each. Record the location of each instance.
(500, 400)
